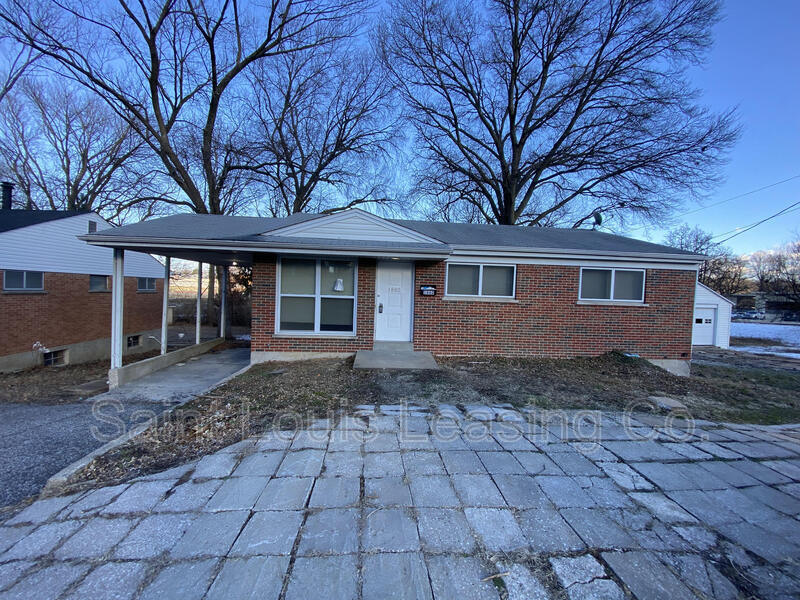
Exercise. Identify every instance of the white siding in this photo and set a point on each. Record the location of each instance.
(352, 225)
(704, 297)
(53, 247)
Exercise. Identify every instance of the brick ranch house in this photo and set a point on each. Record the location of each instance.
(56, 291)
(329, 285)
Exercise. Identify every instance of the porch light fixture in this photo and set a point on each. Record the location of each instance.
(338, 286)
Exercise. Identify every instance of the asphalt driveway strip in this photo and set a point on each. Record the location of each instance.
(38, 440)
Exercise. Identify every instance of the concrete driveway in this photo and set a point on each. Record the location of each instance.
(403, 503)
(37, 441)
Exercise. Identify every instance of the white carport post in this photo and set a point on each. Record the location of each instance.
(223, 302)
(199, 298)
(165, 307)
(117, 296)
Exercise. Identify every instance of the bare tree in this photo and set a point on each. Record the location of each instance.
(781, 272)
(322, 127)
(542, 112)
(65, 149)
(762, 268)
(16, 60)
(175, 70)
(168, 67)
(723, 272)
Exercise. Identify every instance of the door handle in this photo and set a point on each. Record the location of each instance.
(380, 307)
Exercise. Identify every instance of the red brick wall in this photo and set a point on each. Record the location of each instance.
(68, 313)
(263, 320)
(547, 321)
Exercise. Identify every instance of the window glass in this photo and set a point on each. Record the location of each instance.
(14, 280)
(99, 283)
(498, 281)
(336, 278)
(298, 276)
(596, 283)
(336, 314)
(297, 314)
(628, 285)
(146, 284)
(34, 280)
(463, 279)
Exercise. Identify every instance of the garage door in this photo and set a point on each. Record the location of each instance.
(705, 320)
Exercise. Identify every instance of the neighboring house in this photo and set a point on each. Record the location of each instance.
(712, 318)
(56, 302)
(334, 284)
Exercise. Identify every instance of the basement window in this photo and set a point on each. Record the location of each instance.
(616, 285)
(134, 341)
(493, 281)
(99, 283)
(145, 284)
(23, 280)
(55, 358)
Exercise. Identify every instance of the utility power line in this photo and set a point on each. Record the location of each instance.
(740, 230)
(731, 199)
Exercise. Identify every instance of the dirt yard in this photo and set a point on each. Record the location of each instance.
(286, 395)
(59, 385)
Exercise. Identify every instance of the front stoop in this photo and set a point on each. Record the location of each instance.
(394, 355)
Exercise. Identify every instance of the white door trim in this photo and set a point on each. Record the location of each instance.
(378, 334)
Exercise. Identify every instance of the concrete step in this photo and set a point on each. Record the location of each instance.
(386, 358)
(393, 346)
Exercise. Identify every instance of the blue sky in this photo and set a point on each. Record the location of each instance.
(755, 66)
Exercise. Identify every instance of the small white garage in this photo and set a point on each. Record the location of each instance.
(712, 318)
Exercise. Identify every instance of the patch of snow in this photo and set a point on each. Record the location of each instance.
(777, 350)
(245, 337)
(788, 334)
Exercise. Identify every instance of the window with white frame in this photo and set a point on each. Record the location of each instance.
(145, 284)
(622, 285)
(495, 281)
(316, 296)
(23, 280)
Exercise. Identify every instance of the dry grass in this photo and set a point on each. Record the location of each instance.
(287, 395)
(51, 385)
(754, 341)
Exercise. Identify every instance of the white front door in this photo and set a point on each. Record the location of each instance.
(393, 294)
(705, 321)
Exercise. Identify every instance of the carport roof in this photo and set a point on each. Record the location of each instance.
(196, 234)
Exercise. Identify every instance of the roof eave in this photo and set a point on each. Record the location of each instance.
(561, 252)
(250, 246)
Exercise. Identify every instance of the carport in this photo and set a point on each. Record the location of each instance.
(118, 374)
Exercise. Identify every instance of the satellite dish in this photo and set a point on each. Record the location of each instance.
(598, 219)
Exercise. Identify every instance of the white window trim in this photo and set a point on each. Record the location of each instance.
(480, 279)
(613, 277)
(317, 300)
(24, 288)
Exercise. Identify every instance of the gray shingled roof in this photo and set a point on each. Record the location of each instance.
(534, 238)
(250, 232)
(11, 219)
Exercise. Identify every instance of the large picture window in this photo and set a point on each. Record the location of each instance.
(622, 285)
(316, 296)
(496, 281)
